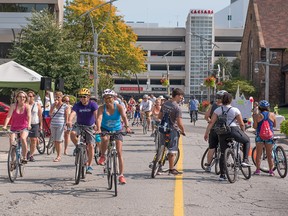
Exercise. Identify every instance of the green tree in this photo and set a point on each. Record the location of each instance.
(224, 65)
(116, 39)
(245, 87)
(47, 49)
(235, 68)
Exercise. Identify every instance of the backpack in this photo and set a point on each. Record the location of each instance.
(265, 131)
(165, 126)
(221, 126)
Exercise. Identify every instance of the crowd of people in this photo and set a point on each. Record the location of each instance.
(27, 115)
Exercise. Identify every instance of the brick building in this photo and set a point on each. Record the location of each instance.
(264, 49)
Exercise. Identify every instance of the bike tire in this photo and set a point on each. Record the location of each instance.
(41, 143)
(177, 156)
(12, 164)
(281, 161)
(115, 174)
(230, 165)
(109, 171)
(157, 161)
(216, 160)
(264, 166)
(97, 154)
(78, 162)
(145, 127)
(50, 145)
(83, 165)
(204, 159)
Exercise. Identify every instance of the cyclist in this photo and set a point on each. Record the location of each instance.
(193, 107)
(109, 119)
(258, 119)
(145, 109)
(175, 115)
(20, 115)
(137, 113)
(213, 137)
(86, 112)
(155, 112)
(237, 133)
(36, 123)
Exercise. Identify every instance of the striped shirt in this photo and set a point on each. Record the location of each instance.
(59, 117)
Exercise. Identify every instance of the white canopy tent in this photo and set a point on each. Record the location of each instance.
(14, 75)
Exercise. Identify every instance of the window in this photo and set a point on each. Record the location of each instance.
(4, 49)
(132, 81)
(162, 38)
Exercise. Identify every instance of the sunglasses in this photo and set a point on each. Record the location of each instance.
(82, 96)
(30, 95)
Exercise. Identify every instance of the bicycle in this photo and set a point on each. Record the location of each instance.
(193, 118)
(112, 168)
(14, 162)
(279, 159)
(41, 144)
(81, 154)
(232, 161)
(161, 156)
(50, 145)
(215, 160)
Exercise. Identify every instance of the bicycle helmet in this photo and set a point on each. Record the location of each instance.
(84, 91)
(264, 104)
(109, 92)
(145, 96)
(140, 100)
(220, 94)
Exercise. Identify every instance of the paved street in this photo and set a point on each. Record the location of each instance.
(48, 188)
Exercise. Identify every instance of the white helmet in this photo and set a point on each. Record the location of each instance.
(109, 92)
(220, 94)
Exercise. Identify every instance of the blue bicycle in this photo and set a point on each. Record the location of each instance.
(279, 159)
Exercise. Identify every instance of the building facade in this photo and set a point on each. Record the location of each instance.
(13, 14)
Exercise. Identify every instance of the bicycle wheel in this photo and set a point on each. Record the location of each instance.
(157, 161)
(109, 168)
(97, 154)
(177, 156)
(78, 162)
(12, 164)
(83, 164)
(280, 161)
(115, 173)
(50, 145)
(230, 165)
(41, 143)
(144, 126)
(264, 166)
(204, 159)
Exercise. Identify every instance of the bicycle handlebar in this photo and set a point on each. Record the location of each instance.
(112, 133)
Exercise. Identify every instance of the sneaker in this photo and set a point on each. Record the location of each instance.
(89, 170)
(24, 161)
(222, 177)
(31, 158)
(133, 123)
(122, 180)
(160, 171)
(151, 165)
(102, 161)
(271, 173)
(245, 163)
(257, 172)
(74, 152)
(208, 169)
(174, 172)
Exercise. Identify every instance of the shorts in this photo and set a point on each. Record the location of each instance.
(148, 114)
(137, 114)
(259, 140)
(117, 137)
(89, 133)
(57, 132)
(34, 132)
(174, 140)
(213, 139)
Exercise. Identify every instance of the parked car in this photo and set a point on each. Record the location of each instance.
(4, 108)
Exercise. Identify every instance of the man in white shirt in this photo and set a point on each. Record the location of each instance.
(145, 109)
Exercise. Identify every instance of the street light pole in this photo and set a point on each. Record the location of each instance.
(95, 44)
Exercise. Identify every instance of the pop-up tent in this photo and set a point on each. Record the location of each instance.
(14, 75)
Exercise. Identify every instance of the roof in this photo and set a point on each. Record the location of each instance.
(273, 21)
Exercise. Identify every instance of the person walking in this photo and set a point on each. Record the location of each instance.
(193, 107)
(36, 124)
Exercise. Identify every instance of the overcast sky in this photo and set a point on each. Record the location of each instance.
(167, 13)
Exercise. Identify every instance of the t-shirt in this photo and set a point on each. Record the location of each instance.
(85, 113)
(59, 117)
(233, 112)
(194, 104)
(174, 111)
(146, 106)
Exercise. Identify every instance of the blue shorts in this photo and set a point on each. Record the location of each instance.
(174, 140)
(259, 140)
(137, 114)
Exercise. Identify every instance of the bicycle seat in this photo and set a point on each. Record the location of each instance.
(276, 138)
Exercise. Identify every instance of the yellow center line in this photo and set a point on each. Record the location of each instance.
(178, 191)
